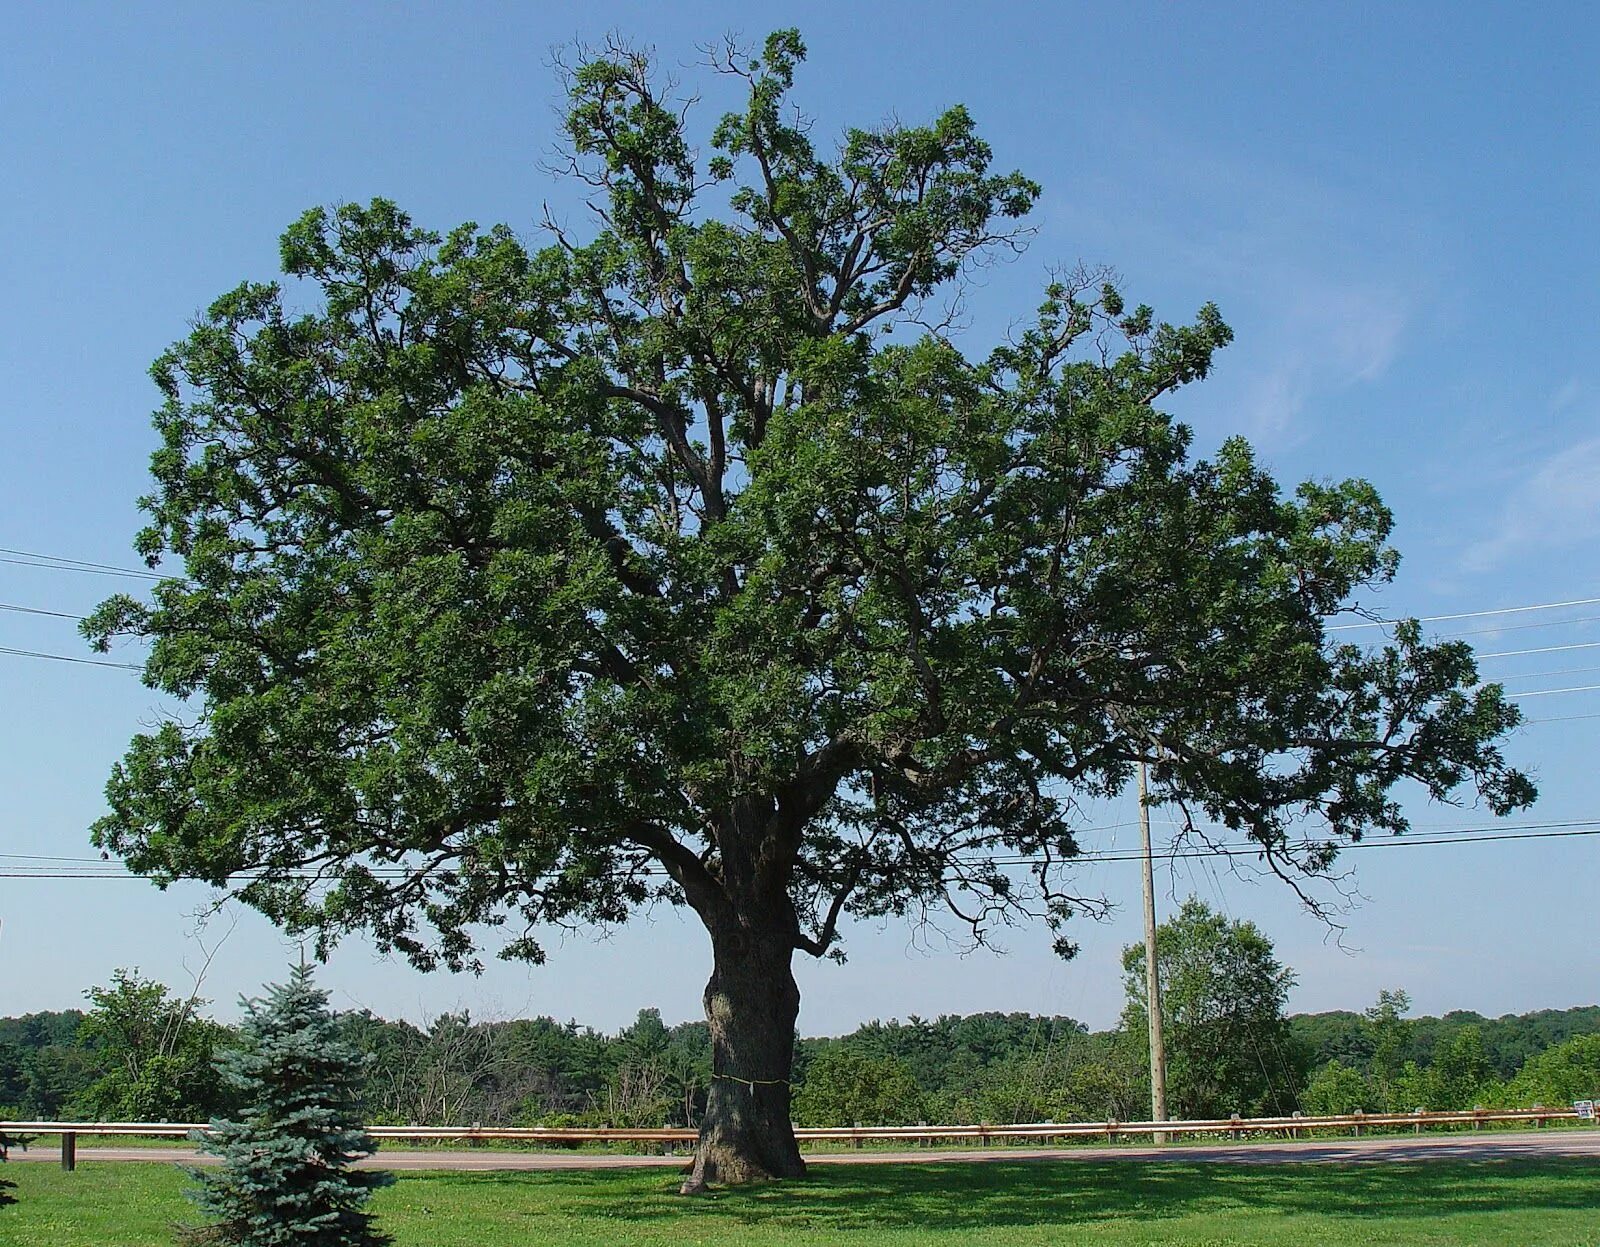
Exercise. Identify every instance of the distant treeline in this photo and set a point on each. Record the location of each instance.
(141, 1053)
(1508, 1041)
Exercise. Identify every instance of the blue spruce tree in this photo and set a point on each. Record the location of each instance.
(286, 1178)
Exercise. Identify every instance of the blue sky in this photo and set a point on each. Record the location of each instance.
(1393, 205)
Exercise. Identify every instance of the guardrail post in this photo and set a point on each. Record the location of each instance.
(855, 1139)
(1355, 1126)
(1234, 1121)
(69, 1151)
(1294, 1131)
(1416, 1127)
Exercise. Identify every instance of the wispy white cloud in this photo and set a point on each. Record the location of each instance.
(1555, 506)
(1324, 292)
(1327, 336)
(1567, 395)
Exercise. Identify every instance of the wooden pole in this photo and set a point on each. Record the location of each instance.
(1158, 1049)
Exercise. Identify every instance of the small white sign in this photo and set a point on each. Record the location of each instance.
(1585, 1110)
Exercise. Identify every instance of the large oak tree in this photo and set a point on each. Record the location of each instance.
(533, 586)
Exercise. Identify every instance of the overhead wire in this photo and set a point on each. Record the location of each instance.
(1543, 649)
(36, 610)
(61, 562)
(1579, 828)
(1502, 610)
(1543, 623)
(87, 662)
(93, 571)
(1548, 675)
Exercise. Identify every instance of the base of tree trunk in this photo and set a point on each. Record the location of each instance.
(725, 1163)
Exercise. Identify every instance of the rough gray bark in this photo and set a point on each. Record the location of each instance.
(752, 1003)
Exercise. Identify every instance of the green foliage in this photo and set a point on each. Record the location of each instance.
(285, 1178)
(845, 1088)
(43, 1065)
(1390, 1034)
(1560, 1075)
(1080, 1078)
(154, 1054)
(1461, 1072)
(1336, 1089)
(987, 1066)
(1222, 994)
(509, 575)
(999, 1066)
(1459, 1077)
(13, 1077)
(1449, 1062)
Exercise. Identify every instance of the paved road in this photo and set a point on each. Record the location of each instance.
(1488, 1146)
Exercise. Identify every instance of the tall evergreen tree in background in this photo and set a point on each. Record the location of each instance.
(286, 1179)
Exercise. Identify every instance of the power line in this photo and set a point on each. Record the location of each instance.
(58, 562)
(47, 857)
(1547, 675)
(93, 571)
(61, 563)
(88, 662)
(1471, 830)
(35, 610)
(30, 610)
(1543, 649)
(1422, 840)
(1504, 610)
(1543, 623)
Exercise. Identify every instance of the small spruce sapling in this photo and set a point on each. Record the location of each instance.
(286, 1178)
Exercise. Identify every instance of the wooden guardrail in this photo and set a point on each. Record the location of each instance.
(983, 1133)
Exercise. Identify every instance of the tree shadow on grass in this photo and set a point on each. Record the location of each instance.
(6, 1144)
(1022, 1193)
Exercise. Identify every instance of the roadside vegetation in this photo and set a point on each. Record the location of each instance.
(143, 1052)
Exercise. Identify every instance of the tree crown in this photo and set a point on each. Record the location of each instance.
(538, 584)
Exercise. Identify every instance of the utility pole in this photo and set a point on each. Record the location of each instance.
(1158, 1049)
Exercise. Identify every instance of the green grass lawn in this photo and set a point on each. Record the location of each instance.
(1017, 1203)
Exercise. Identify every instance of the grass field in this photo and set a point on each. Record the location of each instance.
(1020, 1204)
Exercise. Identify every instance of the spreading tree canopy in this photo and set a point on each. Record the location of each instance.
(529, 586)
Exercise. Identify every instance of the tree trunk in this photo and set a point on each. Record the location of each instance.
(751, 1004)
